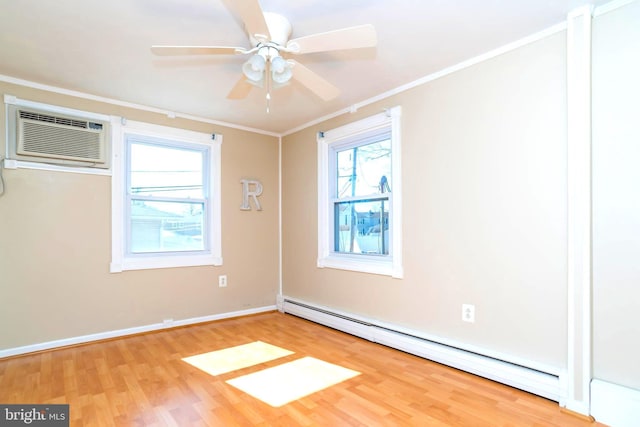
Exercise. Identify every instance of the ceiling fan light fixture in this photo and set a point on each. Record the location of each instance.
(253, 69)
(281, 70)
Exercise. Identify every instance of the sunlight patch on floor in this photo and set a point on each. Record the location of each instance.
(234, 358)
(290, 381)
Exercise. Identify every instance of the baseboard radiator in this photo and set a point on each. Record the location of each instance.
(545, 384)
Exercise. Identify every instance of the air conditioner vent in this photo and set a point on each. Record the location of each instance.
(41, 136)
(58, 120)
(65, 143)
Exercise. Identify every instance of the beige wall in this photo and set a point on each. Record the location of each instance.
(484, 210)
(616, 196)
(55, 244)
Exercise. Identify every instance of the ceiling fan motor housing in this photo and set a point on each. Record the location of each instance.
(279, 29)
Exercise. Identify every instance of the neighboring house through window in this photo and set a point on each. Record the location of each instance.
(360, 196)
(166, 197)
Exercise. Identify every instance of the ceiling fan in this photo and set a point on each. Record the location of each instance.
(270, 63)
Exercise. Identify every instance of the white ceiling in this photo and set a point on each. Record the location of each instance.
(102, 48)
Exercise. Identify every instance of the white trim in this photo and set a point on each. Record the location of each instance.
(119, 260)
(117, 199)
(323, 196)
(434, 76)
(376, 121)
(170, 114)
(163, 261)
(611, 6)
(359, 263)
(215, 189)
(526, 375)
(396, 214)
(129, 331)
(280, 252)
(615, 405)
(20, 164)
(164, 132)
(579, 364)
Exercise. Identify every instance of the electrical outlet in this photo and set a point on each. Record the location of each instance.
(468, 313)
(222, 281)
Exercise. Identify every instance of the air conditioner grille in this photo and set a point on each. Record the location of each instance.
(45, 140)
(59, 120)
(58, 136)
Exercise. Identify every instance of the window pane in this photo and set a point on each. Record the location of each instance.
(363, 170)
(166, 226)
(166, 171)
(358, 228)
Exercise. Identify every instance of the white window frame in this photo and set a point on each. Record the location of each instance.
(391, 265)
(121, 259)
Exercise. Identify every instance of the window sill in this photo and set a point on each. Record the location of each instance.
(363, 264)
(154, 262)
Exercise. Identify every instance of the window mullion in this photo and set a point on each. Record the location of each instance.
(166, 199)
(369, 197)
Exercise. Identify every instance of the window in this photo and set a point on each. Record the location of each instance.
(166, 198)
(359, 216)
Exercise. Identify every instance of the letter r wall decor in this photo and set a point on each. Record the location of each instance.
(251, 189)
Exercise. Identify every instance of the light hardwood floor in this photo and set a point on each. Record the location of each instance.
(142, 381)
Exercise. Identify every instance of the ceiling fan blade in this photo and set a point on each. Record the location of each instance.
(314, 82)
(197, 50)
(252, 16)
(346, 38)
(240, 90)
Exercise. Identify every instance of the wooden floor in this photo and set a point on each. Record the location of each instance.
(142, 381)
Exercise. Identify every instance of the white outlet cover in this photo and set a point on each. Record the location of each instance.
(468, 313)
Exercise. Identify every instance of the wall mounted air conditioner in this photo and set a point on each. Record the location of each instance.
(49, 137)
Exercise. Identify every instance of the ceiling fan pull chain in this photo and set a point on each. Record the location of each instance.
(267, 79)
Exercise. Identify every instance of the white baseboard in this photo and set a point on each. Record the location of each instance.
(615, 405)
(522, 375)
(129, 331)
